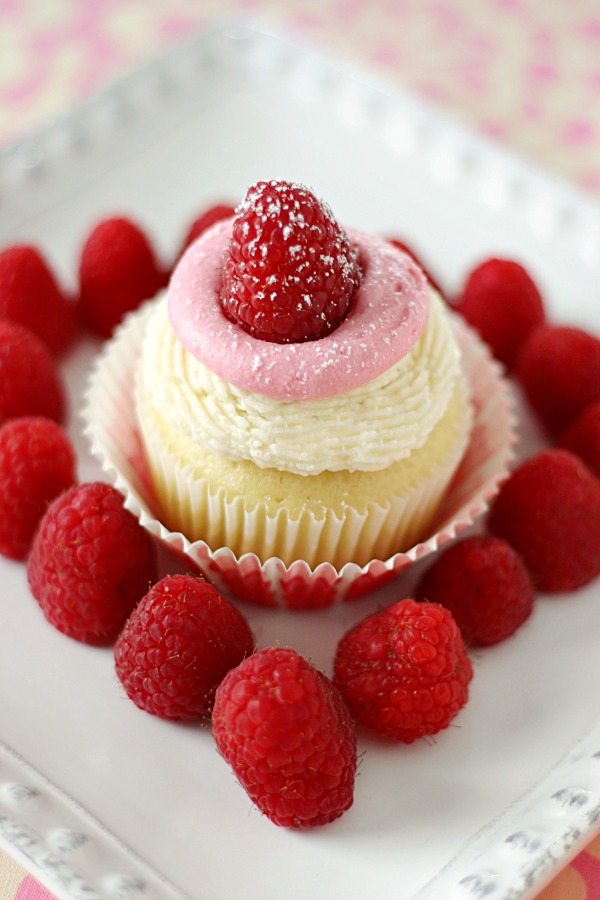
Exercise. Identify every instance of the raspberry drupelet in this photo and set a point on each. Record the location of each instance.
(549, 511)
(582, 437)
(118, 270)
(178, 644)
(31, 296)
(404, 671)
(484, 583)
(90, 563)
(288, 736)
(37, 463)
(503, 303)
(30, 383)
(291, 271)
(558, 368)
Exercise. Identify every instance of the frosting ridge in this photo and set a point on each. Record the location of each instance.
(366, 429)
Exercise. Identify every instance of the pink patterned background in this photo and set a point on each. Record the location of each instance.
(526, 72)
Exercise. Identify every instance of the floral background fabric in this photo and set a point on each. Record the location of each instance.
(525, 71)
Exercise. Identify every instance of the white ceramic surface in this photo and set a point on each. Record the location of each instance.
(106, 801)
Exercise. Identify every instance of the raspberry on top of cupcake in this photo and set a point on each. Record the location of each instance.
(300, 392)
(340, 306)
(290, 272)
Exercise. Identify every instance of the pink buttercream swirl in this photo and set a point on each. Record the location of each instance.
(387, 316)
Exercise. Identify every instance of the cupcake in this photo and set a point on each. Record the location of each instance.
(300, 392)
(299, 452)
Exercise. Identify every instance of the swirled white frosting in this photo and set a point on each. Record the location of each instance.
(366, 429)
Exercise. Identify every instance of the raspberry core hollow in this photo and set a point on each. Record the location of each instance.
(334, 449)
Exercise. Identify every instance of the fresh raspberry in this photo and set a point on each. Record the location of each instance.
(404, 671)
(30, 384)
(117, 271)
(37, 463)
(582, 437)
(484, 584)
(31, 296)
(502, 302)
(406, 248)
(208, 217)
(287, 734)
(177, 646)
(90, 563)
(559, 371)
(549, 511)
(291, 271)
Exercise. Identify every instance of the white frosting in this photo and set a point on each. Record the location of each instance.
(367, 428)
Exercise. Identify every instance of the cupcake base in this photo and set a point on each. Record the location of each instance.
(112, 428)
(335, 517)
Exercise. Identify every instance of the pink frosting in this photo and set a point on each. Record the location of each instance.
(387, 315)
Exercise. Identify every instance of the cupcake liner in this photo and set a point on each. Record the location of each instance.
(111, 426)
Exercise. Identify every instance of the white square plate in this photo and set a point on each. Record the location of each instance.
(106, 801)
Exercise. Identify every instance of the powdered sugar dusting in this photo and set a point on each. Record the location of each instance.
(283, 237)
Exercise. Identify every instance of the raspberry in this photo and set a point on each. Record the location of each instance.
(549, 511)
(90, 563)
(291, 271)
(37, 463)
(559, 371)
(178, 644)
(484, 584)
(582, 437)
(502, 302)
(117, 271)
(30, 296)
(29, 381)
(404, 671)
(406, 248)
(287, 734)
(209, 217)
